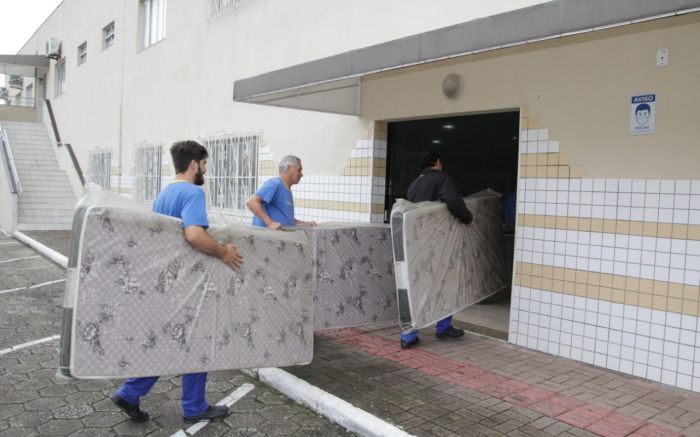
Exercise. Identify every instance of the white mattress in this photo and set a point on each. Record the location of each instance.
(443, 266)
(354, 274)
(140, 301)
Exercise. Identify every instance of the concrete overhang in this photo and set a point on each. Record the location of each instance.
(22, 65)
(333, 84)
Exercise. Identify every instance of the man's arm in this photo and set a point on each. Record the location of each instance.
(255, 205)
(200, 239)
(449, 193)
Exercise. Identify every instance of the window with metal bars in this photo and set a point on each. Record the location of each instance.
(232, 171)
(216, 6)
(100, 167)
(148, 160)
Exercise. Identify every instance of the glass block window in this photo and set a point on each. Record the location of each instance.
(148, 160)
(60, 73)
(82, 53)
(108, 35)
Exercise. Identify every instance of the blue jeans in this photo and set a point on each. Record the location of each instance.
(193, 388)
(440, 327)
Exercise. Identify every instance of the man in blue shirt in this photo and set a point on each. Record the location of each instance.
(273, 204)
(184, 198)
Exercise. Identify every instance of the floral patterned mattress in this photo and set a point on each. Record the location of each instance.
(354, 274)
(443, 266)
(140, 301)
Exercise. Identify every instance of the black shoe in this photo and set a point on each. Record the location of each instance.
(214, 412)
(450, 332)
(133, 411)
(408, 344)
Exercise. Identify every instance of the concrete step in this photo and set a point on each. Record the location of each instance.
(44, 226)
(63, 202)
(24, 218)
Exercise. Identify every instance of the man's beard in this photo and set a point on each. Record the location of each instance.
(199, 178)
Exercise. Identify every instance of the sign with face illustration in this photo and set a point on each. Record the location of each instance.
(643, 114)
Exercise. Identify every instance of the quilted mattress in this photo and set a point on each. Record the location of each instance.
(354, 274)
(443, 266)
(140, 301)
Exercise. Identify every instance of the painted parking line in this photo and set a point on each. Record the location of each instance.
(32, 286)
(9, 242)
(19, 259)
(28, 344)
(229, 400)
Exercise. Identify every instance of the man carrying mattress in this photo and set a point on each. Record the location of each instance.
(273, 204)
(431, 185)
(184, 198)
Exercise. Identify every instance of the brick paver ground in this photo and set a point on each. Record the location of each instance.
(481, 386)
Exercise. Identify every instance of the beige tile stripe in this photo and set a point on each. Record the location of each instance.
(267, 168)
(364, 167)
(646, 293)
(332, 204)
(626, 227)
(548, 165)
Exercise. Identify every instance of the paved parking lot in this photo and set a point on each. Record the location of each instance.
(33, 401)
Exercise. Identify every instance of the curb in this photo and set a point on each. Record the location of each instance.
(51, 254)
(332, 407)
(339, 411)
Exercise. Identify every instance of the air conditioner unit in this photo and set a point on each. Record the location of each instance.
(53, 48)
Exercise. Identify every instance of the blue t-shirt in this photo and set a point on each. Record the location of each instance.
(185, 201)
(277, 203)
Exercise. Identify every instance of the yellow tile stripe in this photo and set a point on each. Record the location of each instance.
(626, 227)
(332, 204)
(646, 293)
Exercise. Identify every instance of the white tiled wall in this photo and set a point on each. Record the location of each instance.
(658, 345)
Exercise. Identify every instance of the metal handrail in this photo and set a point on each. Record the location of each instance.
(73, 158)
(13, 178)
(53, 122)
(68, 147)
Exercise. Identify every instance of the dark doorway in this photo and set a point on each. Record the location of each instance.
(479, 151)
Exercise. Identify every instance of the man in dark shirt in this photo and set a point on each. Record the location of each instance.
(431, 185)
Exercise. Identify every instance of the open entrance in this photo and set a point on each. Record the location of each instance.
(479, 151)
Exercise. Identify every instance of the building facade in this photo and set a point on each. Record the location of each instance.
(607, 237)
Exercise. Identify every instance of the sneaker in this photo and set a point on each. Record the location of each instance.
(133, 411)
(408, 344)
(450, 332)
(214, 412)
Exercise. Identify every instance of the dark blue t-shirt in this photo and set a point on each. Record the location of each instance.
(183, 200)
(277, 203)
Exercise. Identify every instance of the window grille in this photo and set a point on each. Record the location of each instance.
(108, 35)
(154, 17)
(216, 6)
(232, 173)
(100, 167)
(148, 160)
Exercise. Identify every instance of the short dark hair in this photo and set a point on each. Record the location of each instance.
(429, 158)
(183, 152)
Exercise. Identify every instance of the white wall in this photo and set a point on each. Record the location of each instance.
(183, 85)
